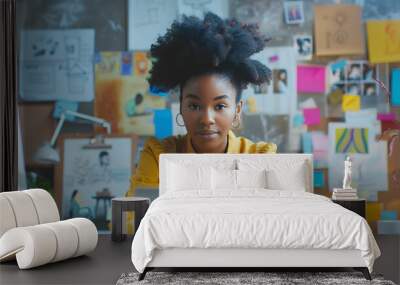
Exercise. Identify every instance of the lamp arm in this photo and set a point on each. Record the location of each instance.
(99, 121)
(58, 129)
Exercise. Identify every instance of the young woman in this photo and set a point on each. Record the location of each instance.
(209, 61)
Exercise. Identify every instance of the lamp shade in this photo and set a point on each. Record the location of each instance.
(47, 154)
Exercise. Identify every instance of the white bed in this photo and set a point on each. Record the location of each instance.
(198, 223)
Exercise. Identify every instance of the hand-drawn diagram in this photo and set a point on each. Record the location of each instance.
(57, 65)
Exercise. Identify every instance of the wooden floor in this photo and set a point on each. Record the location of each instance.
(103, 266)
(106, 264)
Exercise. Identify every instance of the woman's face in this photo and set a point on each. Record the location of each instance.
(208, 108)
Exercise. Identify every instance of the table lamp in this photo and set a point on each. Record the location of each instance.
(47, 153)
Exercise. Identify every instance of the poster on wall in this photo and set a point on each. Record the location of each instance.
(92, 176)
(338, 30)
(56, 65)
(358, 140)
(122, 92)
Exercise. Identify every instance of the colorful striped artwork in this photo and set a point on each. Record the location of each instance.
(351, 140)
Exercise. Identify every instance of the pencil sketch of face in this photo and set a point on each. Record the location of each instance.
(104, 159)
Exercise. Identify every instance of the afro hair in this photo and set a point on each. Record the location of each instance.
(193, 47)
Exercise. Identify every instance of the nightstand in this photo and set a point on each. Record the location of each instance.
(357, 206)
(123, 204)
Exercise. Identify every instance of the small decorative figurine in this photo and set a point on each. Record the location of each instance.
(347, 173)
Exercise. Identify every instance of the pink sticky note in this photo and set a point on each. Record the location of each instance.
(387, 117)
(310, 79)
(312, 116)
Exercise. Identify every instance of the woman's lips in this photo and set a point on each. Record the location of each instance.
(208, 134)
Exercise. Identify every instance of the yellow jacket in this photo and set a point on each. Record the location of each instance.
(146, 174)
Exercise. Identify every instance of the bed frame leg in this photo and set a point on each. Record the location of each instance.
(364, 271)
(143, 274)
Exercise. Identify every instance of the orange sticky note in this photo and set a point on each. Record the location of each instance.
(351, 103)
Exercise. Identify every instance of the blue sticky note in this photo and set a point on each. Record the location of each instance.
(306, 140)
(319, 178)
(298, 120)
(395, 87)
(163, 123)
(61, 106)
(388, 215)
(340, 64)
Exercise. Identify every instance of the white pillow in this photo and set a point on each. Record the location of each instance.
(223, 179)
(282, 174)
(183, 177)
(251, 178)
(280, 180)
(235, 179)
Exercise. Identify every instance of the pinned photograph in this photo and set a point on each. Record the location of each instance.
(368, 72)
(294, 13)
(280, 81)
(304, 46)
(354, 72)
(370, 89)
(353, 89)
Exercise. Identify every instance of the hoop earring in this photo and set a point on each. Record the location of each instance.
(176, 120)
(237, 121)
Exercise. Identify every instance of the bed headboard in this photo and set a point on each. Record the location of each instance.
(271, 160)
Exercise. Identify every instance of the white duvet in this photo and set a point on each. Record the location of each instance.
(252, 218)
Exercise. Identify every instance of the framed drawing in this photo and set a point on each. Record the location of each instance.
(90, 174)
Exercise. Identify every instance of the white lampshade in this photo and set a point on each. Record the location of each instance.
(47, 154)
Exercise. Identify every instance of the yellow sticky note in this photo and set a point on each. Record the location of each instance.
(383, 40)
(351, 103)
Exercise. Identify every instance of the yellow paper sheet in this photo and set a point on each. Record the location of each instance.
(351, 103)
(383, 41)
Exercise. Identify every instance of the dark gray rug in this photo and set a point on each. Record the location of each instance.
(228, 278)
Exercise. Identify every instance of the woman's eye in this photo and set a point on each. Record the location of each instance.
(220, 107)
(194, 107)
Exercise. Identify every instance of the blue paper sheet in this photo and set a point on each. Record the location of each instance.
(163, 123)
